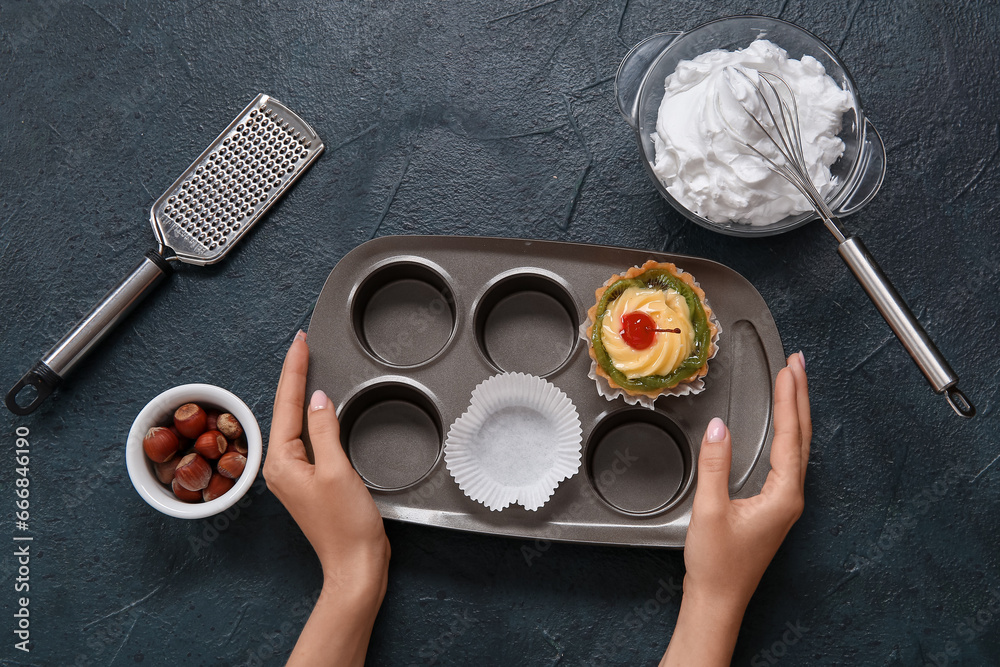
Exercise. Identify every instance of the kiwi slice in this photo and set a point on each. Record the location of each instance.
(661, 280)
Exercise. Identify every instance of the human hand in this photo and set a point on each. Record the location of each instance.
(730, 543)
(327, 499)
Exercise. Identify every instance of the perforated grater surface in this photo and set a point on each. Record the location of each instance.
(230, 186)
(199, 218)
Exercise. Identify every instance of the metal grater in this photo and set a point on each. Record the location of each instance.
(230, 186)
(199, 218)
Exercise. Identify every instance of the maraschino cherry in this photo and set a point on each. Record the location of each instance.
(639, 330)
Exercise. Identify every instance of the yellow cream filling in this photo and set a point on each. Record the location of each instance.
(669, 310)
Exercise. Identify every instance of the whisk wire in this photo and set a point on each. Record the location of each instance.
(785, 135)
(790, 121)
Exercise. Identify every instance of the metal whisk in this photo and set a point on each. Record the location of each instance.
(778, 120)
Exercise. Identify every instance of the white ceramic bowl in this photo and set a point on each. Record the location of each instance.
(158, 412)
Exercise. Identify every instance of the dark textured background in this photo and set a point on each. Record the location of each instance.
(479, 118)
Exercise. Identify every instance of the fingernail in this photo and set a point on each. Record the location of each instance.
(716, 430)
(802, 359)
(301, 335)
(318, 401)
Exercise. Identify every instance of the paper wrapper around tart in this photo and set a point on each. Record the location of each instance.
(609, 389)
(518, 440)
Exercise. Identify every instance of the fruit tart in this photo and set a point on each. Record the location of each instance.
(651, 332)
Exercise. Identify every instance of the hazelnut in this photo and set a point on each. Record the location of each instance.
(217, 486)
(160, 444)
(211, 420)
(190, 420)
(211, 445)
(184, 494)
(193, 473)
(230, 426)
(239, 445)
(231, 465)
(165, 471)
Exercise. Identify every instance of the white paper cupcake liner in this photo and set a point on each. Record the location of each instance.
(605, 389)
(517, 441)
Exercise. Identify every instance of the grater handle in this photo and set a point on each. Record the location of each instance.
(49, 372)
(906, 327)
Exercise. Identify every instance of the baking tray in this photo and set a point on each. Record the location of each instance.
(407, 326)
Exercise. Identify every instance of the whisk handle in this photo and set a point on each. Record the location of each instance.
(902, 322)
(48, 373)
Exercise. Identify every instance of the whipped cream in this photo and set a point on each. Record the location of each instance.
(702, 164)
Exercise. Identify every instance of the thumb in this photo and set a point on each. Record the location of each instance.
(324, 433)
(713, 467)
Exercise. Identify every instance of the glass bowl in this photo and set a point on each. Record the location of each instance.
(639, 89)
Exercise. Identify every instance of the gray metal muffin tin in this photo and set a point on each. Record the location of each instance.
(407, 326)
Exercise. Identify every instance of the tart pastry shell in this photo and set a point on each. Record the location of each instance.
(610, 389)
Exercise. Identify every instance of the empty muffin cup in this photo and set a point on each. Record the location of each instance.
(639, 461)
(518, 440)
(526, 322)
(392, 434)
(404, 313)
